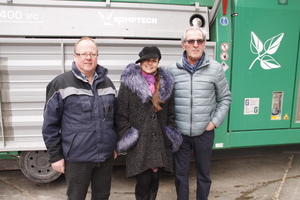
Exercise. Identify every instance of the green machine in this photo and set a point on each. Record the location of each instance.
(257, 43)
(258, 46)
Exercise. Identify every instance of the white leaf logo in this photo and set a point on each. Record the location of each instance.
(273, 43)
(256, 45)
(270, 47)
(267, 62)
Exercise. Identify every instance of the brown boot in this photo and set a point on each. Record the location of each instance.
(139, 198)
(152, 195)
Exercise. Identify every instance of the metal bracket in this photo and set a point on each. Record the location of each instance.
(213, 12)
(197, 6)
(108, 3)
(276, 111)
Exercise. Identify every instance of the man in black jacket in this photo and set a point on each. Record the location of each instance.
(78, 124)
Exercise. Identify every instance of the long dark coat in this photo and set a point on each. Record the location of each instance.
(135, 114)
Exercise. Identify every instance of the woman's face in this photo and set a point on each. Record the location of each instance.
(149, 66)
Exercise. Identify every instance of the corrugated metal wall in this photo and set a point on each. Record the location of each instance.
(27, 65)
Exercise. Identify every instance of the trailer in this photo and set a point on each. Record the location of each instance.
(257, 43)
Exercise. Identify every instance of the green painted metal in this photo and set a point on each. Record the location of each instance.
(221, 33)
(261, 64)
(259, 34)
(296, 105)
(241, 139)
(206, 3)
(9, 155)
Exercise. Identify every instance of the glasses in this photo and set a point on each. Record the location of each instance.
(192, 42)
(84, 55)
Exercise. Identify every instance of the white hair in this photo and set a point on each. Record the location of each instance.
(203, 32)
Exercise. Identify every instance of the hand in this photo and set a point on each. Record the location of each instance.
(210, 126)
(59, 166)
(115, 154)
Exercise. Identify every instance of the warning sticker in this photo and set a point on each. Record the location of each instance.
(224, 56)
(274, 117)
(251, 106)
(286, 116)
(225, 66)
(224, 46)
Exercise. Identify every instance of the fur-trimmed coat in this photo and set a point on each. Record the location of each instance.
(148, 137)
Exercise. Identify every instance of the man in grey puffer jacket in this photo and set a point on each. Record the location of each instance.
(202, 100)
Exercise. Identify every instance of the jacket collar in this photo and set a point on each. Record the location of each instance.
(100, 72)
(134, 80)
(205, 62)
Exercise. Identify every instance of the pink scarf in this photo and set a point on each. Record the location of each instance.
(150, 80)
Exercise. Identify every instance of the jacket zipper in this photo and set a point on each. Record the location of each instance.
(191, 101)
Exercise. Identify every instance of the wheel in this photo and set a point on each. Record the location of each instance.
(35, 166)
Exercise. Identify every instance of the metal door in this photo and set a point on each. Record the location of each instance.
(265, 51)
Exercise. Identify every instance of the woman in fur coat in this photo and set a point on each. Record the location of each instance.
(145, 122)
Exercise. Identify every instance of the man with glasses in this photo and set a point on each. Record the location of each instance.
(78, 127)
(202, 100)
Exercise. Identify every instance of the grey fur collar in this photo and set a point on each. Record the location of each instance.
(135, 81)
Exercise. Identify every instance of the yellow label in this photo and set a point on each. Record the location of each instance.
(286, 116)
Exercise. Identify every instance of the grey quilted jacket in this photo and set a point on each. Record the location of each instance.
(200, 97)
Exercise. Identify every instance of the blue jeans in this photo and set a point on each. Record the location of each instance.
(79, 175)
(202, 147)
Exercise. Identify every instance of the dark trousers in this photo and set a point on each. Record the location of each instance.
(146, 182)
(79, 175)
(202, 148)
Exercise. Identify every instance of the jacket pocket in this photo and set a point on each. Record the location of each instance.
(109, 112)
(86, 107)
(78, 109)
(71, 145)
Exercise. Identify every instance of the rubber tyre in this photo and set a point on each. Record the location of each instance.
(36, 167)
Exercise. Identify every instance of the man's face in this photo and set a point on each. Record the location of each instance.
(86, 64)
(194, 49)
